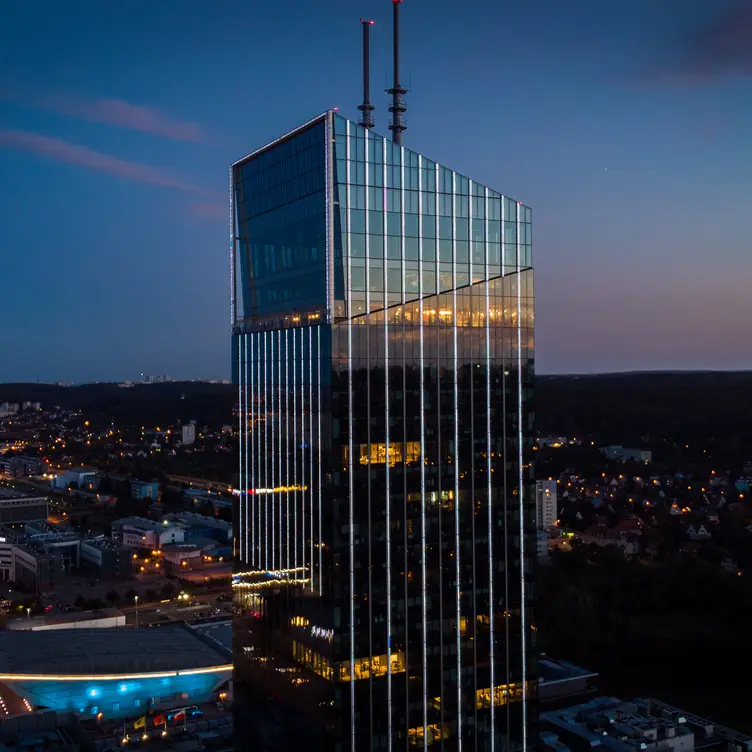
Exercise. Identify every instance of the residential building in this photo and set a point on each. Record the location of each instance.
(189, 433)
(624, 455)
(546, 504)
(382, 341)
(20, 465)
(141, 489)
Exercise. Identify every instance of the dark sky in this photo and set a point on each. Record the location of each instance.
(624, 124)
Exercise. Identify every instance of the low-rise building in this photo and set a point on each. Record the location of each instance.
(138, 532)
(16, 507)
(86, 478)
(142, 489)
(648, 725)
(178, 557)
(201, 526)
(105, 558)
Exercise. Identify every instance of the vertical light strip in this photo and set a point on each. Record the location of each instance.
(271, 414)
(489, 489)
(386, 465)
(523, 568)
(328, 198)
(233, 240)
(295, 446)
(421, 361)
(265, 363)
(441, 355)
(278, 421)
(456, 464)
(320, 479)
(407, 646)
(247, 441)
(310, 441)
(302, 451)
(253, 431)
(259, 455)
(241, 433)
(288, 482)
(351, 488)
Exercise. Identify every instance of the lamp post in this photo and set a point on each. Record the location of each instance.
(136, 599)
(28, 613)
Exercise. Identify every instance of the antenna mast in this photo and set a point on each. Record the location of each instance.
(366, 119)
(398, 106)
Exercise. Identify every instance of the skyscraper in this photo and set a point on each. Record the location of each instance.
(382, 339)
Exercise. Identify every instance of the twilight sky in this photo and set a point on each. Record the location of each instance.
(624, 124)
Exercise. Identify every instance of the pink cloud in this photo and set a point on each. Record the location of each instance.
(64, 151)
(115, 112)
(211, 210)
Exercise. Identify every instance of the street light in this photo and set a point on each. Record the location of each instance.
(136, 599)
(28, 612)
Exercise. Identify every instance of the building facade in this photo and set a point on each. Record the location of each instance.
(382, 337)
(546, 500)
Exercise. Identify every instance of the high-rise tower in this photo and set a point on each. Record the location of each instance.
(382, 339)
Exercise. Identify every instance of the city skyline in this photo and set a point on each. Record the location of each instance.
(115, 222)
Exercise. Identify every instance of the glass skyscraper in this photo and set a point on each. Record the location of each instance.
(383, 348)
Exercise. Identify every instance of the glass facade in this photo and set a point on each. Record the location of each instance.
(384, 565)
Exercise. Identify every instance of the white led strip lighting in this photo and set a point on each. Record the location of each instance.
(489, 489)
(350, 452)
(424, 604)
(387, 479)
(456, 467)
(320, 476)
(266, 456)
(310, 442)
(295, 445)
(270, 416)
(241, 343)
(278, 421)
(287, 445)
(523, 568)
(302, 451)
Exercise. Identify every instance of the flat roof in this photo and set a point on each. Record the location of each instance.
(219, 633)
(12, 493)
(114, 651)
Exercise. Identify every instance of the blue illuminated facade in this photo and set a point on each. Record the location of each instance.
(119, 697)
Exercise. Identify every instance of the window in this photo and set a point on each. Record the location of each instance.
(115, 707)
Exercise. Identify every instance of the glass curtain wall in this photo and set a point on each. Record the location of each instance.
(384, 562)
(432, 358)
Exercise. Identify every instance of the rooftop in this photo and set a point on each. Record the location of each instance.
(117, 651)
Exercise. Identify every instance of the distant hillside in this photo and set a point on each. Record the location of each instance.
(620, 408)
(147, 404)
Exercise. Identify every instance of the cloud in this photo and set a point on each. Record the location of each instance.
(115, 112)
(64, 151)
(721, 47)
(210, 210)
